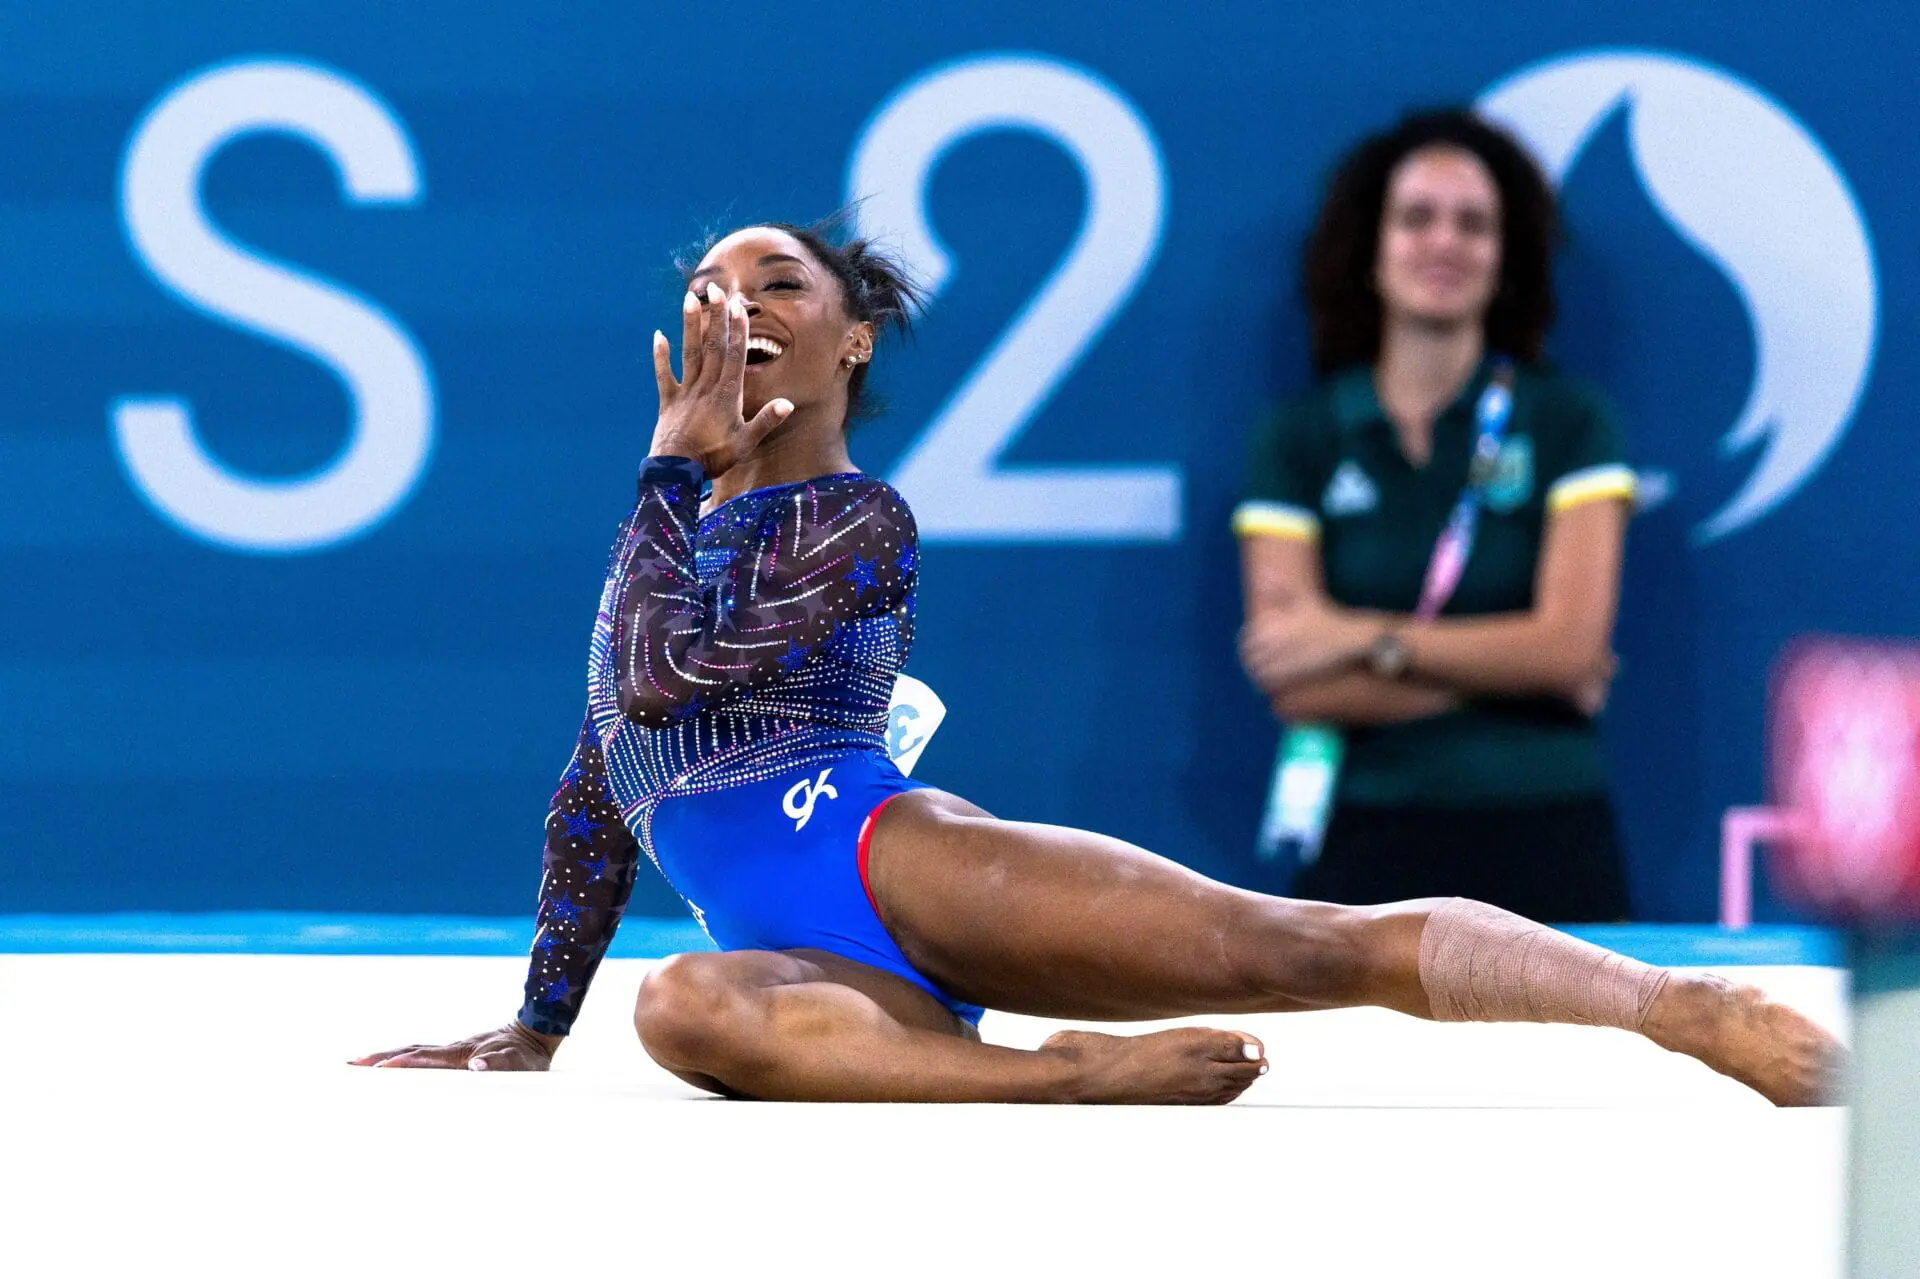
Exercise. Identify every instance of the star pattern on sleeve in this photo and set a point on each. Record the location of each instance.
(587, 874)
(563, 910)
(865, 574)
(795, 657)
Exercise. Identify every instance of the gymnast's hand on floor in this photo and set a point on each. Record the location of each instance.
(512, 1047)
(703, 414)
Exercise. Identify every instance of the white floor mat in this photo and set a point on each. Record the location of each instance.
(191, 1114)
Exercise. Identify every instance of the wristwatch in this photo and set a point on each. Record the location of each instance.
(1387, 655)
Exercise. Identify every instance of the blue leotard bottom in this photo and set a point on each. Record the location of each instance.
(776, 865)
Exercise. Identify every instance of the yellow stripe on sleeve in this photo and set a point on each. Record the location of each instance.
(1275, 519)
(1592, 484)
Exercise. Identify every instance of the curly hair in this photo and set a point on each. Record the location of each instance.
(1337, 276)
(874, 285)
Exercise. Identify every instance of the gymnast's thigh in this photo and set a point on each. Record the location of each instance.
(1057, 922)
(700, 985)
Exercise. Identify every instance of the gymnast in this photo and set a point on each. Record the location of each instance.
(738, 680)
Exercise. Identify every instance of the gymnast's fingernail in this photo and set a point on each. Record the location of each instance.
(478, 1063)
(714, 294)
(1263, 1068)
(691, 304)
(1252, 1051)
(783, 407)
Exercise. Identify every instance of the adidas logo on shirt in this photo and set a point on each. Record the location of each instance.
(1349, 492)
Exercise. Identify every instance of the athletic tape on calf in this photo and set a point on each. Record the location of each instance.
(1481, 963)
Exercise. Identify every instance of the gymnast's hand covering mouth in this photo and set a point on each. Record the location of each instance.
(766, 337)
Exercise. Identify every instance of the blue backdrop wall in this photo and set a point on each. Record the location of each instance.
(323, 332)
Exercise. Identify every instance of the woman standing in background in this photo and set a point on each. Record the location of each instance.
(1431, 544)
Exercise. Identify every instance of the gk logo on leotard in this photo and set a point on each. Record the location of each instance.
(800, 798)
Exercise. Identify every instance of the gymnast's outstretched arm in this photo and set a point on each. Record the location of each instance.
(586, 879)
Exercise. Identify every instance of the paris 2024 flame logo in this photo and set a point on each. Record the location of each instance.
(1750, 189)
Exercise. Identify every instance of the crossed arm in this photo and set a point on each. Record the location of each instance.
(1305, 652)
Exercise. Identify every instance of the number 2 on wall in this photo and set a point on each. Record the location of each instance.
(951, 473)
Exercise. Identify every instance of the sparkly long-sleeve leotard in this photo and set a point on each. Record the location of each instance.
(761, 638)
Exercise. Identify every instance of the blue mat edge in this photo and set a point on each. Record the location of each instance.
(645, 937)
(305, 933)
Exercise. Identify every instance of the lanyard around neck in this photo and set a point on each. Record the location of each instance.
(1450, 553)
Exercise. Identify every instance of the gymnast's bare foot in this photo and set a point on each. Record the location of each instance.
(1741, 1033)
(1188, 1067)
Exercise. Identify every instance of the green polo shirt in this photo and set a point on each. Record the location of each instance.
(1328, 468)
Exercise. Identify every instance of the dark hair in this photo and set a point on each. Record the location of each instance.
(1343, 308)
(875, 286)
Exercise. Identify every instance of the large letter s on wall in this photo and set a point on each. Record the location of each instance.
(391, 434)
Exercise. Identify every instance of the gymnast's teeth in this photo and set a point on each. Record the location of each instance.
(764, 347)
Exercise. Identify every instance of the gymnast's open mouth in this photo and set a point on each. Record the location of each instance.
(764, 350)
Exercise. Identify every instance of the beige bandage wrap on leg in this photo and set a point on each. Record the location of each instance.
(1481, 963)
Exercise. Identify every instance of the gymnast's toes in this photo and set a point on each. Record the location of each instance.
(1189, 1066)
(1738, 1031)
(1795, 1062)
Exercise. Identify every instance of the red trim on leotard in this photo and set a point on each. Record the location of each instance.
(860, 852)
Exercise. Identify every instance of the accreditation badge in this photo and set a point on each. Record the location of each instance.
(1300, 799)
(1509, 480)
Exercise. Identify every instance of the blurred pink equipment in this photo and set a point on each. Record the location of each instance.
(1844, 773)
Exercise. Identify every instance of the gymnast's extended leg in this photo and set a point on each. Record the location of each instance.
(1064, 923)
